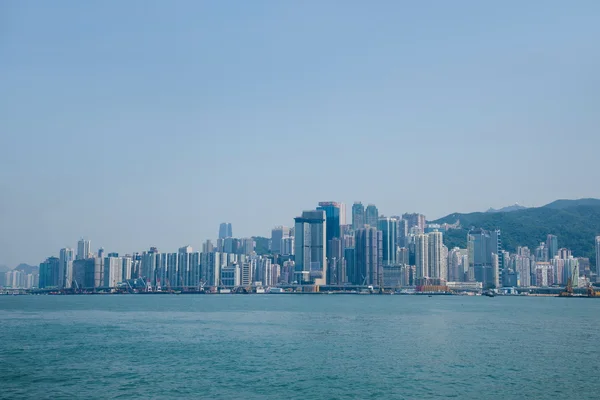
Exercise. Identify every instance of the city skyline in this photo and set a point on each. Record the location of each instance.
(384, 252)
(83, 244)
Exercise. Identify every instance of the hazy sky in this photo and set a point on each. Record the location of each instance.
(147, 123)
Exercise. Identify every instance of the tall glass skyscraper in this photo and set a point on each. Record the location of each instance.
(371, 216)
(332, 215)
(310, 243)
(368, 268)
(389, 229)
(358, 216)
(225, 230)
(551, 246)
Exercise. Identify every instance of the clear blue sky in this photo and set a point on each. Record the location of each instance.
(139, 123)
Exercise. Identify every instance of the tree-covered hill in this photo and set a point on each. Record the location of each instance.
(575, 222)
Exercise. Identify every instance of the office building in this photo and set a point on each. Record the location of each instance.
(389, 230)
(552, 246)
(311, 247)
(371, 216)
(231, 276)
(358, 216)
(65, 270)
(84, 273)
(332, 211)
(50, 273)
(83, 249)
(481, 245)
(336, 268)
(225, 230)
(368, 260)
(421, 255)
(278, 234)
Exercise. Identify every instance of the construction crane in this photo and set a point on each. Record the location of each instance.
(590, 291)
(568, 292)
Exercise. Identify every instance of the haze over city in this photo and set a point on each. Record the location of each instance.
(159, 121)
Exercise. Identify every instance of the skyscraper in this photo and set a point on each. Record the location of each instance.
(332, 215)
(65, 269)
(342, 213)
(435, 256)
(277, 235)
(113, 271)
(389, 229)
(422, 255)
(551, 246)
(183, 264)
(83, 249)
(49, 273)
(371, 216)
(368, 257)
(287, 246)
(358, 216)
(458, 265)
(310, 243)
(481, 245)
(225, 230)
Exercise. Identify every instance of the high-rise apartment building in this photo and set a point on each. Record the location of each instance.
(65, 269)
(422, 255)
(184, 264)
(389, 229)
(371, 216)
(277, 235)
(311, 247)
(113, 271)
(368, 260)
(415, 220)
(225, 230)
(358, 216)
(458, 265)
(435, 256)
(83, 249)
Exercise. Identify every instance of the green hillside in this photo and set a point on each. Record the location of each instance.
(575, 225)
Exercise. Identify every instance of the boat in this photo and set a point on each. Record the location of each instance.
(489, 293)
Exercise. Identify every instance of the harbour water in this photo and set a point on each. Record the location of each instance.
(298, 347)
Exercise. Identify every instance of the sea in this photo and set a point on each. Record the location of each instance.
(294, 346)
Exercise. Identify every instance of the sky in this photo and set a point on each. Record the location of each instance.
(147, 123)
